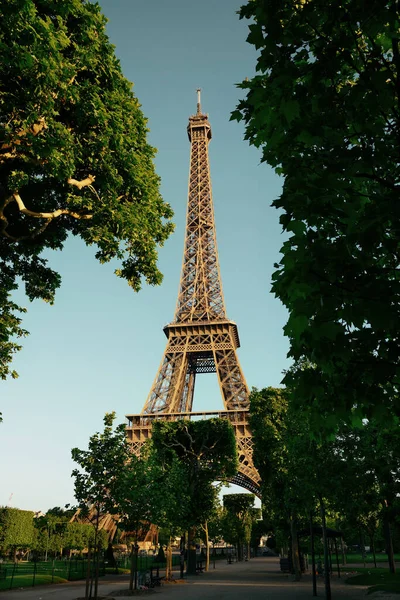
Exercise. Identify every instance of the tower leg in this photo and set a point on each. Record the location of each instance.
(168, 387)
(188, 392)
(231, 380)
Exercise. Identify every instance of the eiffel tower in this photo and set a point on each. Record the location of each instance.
(201, 339)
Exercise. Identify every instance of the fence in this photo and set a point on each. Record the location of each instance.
(29, 574)
(145, 563)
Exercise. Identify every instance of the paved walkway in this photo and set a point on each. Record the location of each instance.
(256, 579)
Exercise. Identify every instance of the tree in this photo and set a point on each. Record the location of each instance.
(170, 499)
(288, 461)
(95, 484)
(74, 158)
(238, 521)
(145, 493)
(56, 533)
(354, 475)
(211, 528)
(16, 529)
(48, 527)
(207, 451)
(78, 536)
(259, 529)
(214, 525)
(324, 108)
(133, 498)
(368, 487)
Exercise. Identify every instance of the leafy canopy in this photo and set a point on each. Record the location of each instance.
(238, 518)
(74, 157)
(16, 528)
(324, 110)
(207, 451)
(101, 466)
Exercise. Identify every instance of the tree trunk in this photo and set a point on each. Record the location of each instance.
(314, 575)
(136, 549)
(295, 549)
(389, 542)
(372, 543)
(191, 553)
(337, 557)
(93, 577)
(96, 581)
(328, 594)
(207, 547)
(362, 545)
(132, 573)
(239, 550)
(89, 558)
(47, 543)
(344, 558)
(168, 563)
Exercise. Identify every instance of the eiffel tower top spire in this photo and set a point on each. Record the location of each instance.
(200, 296)
(198, 101)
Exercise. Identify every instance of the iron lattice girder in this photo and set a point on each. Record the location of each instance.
(215, 341)
(200, 292)
(200, 339)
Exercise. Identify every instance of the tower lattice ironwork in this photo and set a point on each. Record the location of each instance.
(201, 339)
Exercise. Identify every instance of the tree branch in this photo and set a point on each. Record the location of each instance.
(48, 215)
(83, 183)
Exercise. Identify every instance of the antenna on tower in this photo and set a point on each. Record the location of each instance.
(198, 101)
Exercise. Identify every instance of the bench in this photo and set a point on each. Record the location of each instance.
(155, 580)
(285, 565)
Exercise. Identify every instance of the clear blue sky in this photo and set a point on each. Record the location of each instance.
(99, 347)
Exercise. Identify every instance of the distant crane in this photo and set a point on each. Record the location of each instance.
(9, 500)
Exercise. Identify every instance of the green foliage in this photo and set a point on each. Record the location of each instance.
(324, 110)
(238, 504)
(133, 496)
(238, 518)
(16, 528)
(101, 466)
(96, 484)
(268, 420)
(169, 494)
(354, 475)
(206, 450)
(64, 513)
(74, 157)
(214, 527)
(208, 445)
(56, 534)
(368, 485)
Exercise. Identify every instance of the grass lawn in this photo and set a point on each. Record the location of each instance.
(369, 559)
(26, 581)
(376, 580)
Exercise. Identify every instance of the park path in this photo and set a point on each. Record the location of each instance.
(259, 578)
(256, 579)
